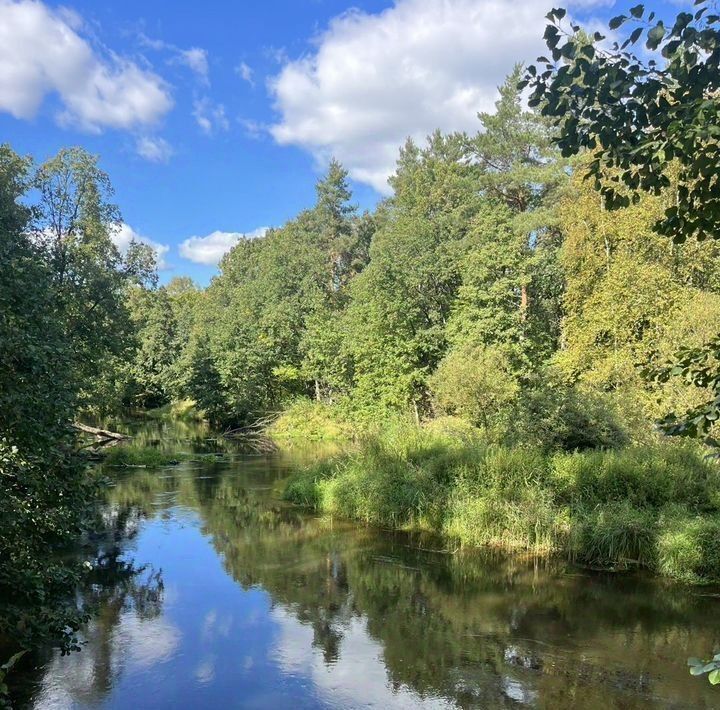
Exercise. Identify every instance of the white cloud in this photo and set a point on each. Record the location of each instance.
(210, 250)
(197, 60)
(253, 129)
(42, 52)
(375, 79)
(126, 234)
(245, 73)
(209, 116)
(340, 684)
(154, 149)
(137, 645)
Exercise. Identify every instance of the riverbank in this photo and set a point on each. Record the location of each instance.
(204, 575)
(655, 507)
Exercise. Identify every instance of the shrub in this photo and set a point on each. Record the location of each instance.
(305, 420)
(477, 383)
(556, 415)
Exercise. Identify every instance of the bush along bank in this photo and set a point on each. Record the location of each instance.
(656, 507)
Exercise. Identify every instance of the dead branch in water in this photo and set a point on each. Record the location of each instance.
(253, 435)
(100, 433)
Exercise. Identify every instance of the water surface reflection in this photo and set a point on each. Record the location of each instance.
(244, 602)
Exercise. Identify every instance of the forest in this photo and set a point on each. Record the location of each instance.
(518, 348)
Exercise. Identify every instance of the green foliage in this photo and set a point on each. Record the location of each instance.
(632, 297)
(641, 116)
(162, 321)
(645, 121)
(43, 490)
(37, 387)
(261, 338)
(711, 667)
(402, 300)
(476, 383)
(180, 410)
(521, 166)
(62, 321)
(74, 224)
(553, 414)
(44, 497)
(687, 545)
(464, 259)
(490, 286)
(615, 534)
(155, 332)
(698, 367)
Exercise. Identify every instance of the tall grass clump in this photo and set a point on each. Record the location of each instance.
(613, 534)
(688, 545)
(504, 500)
(652, 506)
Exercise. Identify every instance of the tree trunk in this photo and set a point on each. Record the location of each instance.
(524, 302)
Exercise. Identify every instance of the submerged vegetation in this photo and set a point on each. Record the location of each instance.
(129, 455)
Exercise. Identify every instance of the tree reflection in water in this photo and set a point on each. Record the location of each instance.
(117, 589)
(464, 629)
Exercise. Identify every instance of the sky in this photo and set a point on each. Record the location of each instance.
(215, 119)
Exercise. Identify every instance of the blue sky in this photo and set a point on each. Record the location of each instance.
(214, 119)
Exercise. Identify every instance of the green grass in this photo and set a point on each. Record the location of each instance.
(134, 455)
(655, 507)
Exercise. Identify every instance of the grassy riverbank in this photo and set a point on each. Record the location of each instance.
(653, 506)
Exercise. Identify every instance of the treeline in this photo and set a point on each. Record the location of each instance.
(493, 286)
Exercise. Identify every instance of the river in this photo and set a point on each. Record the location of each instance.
(219, 595)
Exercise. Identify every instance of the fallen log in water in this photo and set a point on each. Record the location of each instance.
(100, 433)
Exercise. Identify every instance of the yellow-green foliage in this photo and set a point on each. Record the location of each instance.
(181, 409)
(631, 294)
(475, 382)
(305, 420)
(652, 506)
(687, 545)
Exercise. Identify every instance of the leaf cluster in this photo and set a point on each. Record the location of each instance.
(637, 117)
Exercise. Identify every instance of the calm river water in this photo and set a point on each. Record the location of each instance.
(218, 595)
